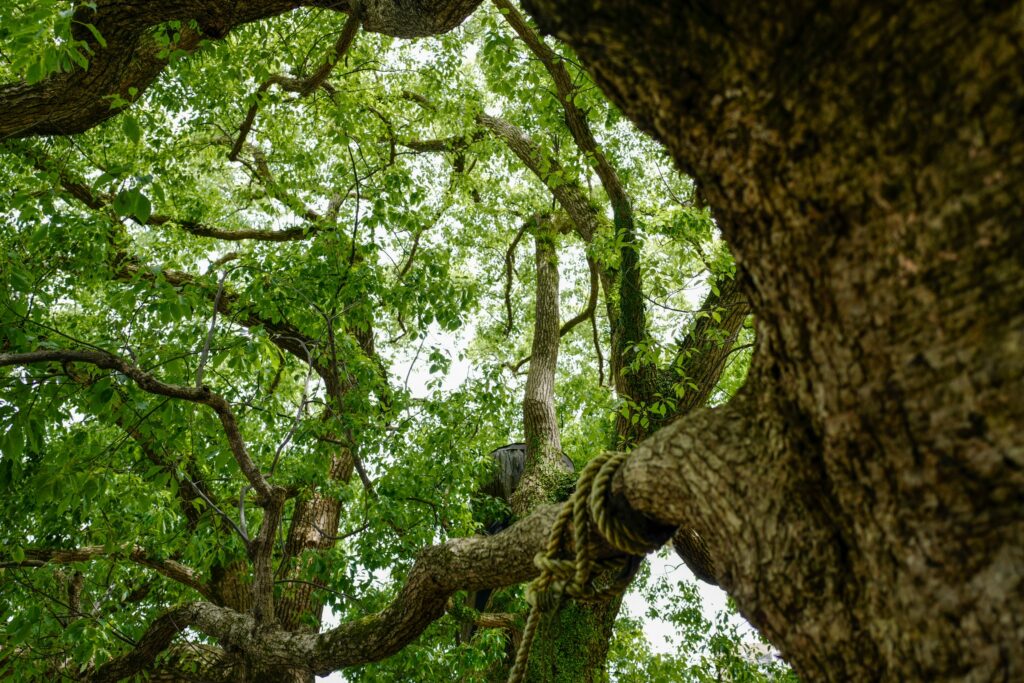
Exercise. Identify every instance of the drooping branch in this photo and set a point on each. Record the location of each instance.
(191, 486)
(510, 265)
(130, 57)
(151, 384)
(35, 557)
(286, 337)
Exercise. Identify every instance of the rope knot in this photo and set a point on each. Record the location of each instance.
(547, 598)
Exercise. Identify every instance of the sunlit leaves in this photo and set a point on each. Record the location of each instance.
(39, 41)
(397, 284)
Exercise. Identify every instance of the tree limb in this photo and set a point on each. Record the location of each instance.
(659, 487)
(540, 421)
(155, 640)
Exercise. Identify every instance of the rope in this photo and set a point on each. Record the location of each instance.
(577, 578)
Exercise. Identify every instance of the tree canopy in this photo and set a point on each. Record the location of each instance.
(244, 244)
(219, 297)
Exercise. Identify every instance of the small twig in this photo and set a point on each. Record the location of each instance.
(355, 218)
(510, 256)
(740, 348)
(241, 509)
(215, 508)
(327, 536)
(412, 254)
(363, 476)
(408, 373)
(298, 418)
(209, 335)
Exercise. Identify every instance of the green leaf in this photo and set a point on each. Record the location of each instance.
(131, 128)
(124, 202)
(77, 57)
(96, 34)
(142, 208)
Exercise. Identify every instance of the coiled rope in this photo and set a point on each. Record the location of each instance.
(582, 577)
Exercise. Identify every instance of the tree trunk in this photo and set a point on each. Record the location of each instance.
(543, 474)
(865, 165)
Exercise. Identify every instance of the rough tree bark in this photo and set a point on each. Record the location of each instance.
(865, 163)
(861, 494)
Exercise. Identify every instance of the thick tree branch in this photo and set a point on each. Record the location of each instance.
(540, 423)
(155, 640)
(549, 171)
(456, 143)
(575, 118)
(570, 196)
(666, 479)
(262, 552)
(295, 234)
(700, 357)
(473, 563)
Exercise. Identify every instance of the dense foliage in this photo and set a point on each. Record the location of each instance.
(370, 226)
